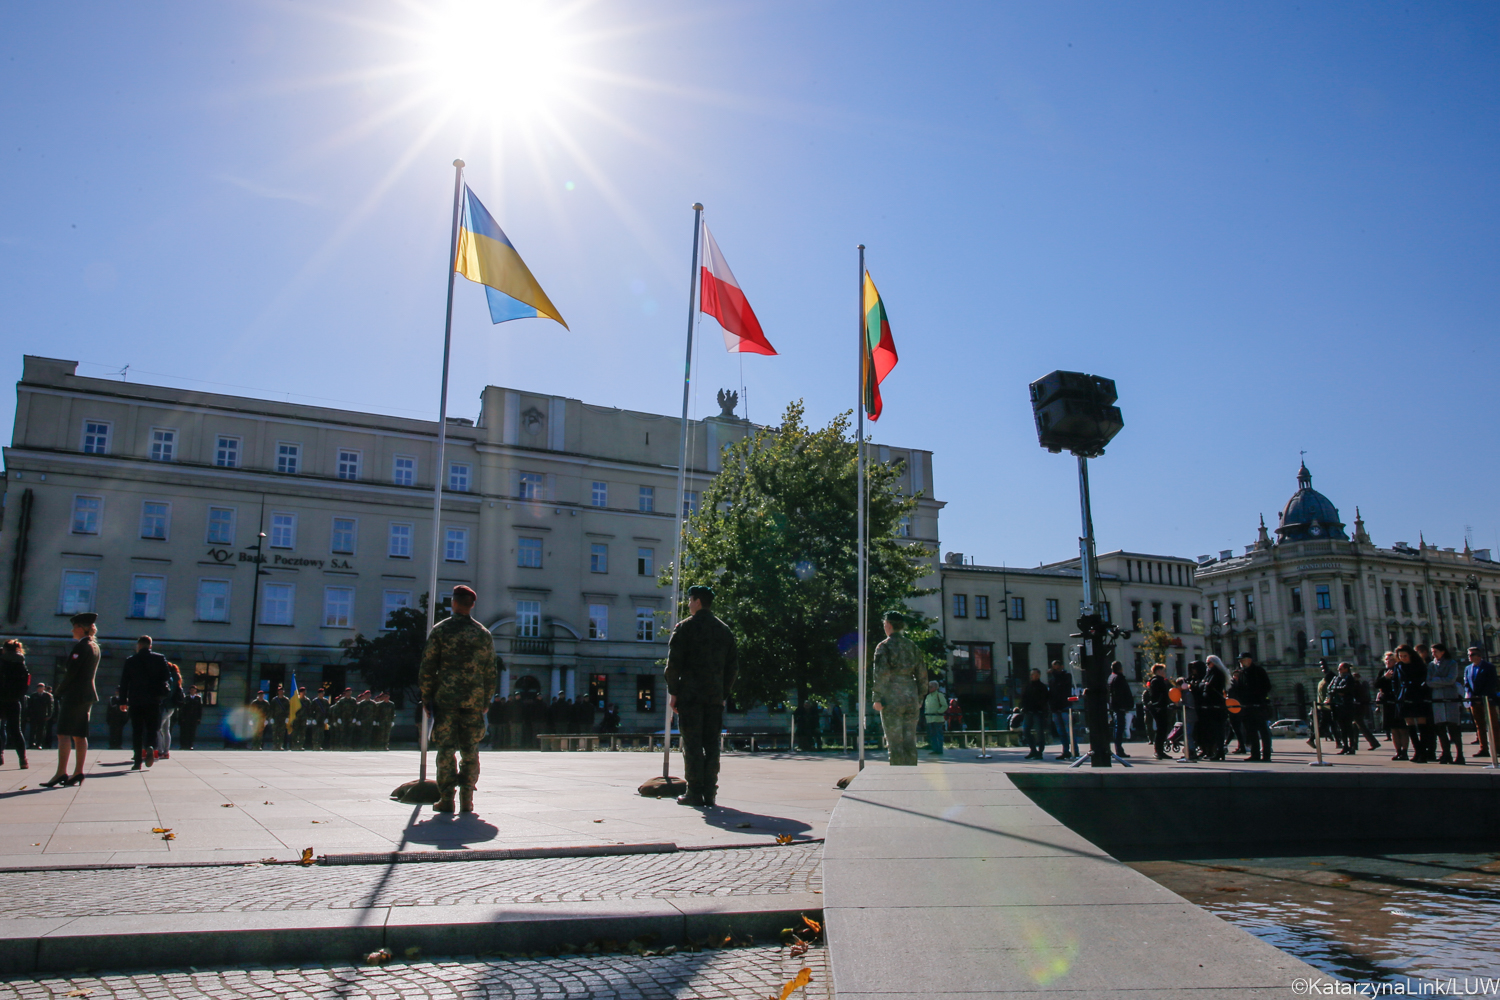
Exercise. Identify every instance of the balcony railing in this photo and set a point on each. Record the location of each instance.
(530, 646)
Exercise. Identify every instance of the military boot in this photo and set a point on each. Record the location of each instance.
(466, 799)
(444, 804)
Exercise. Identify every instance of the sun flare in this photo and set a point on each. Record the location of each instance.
(501, 61)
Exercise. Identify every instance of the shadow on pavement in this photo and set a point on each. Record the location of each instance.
(727, 818)
(455, 832)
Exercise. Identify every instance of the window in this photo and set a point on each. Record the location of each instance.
(529, 486)
(78, 588)
(960, 605)
(1104, 610)
(343, 536)
(146, 596)
(221, 526)
(458, 477)
(404, 471)
(645, 693)
(1156, 611)
(1323, 598)
(276, 603)
(288, 457)
(1249, 608)
(599, 496)
(981, 606)
(456, 546)
(1054, 612)
(598, 621)
(528, 619)
(338, 606)
(283, 531)
(1018, 609)
(1192, 611)
(645, 625)
(398, 545)
(1405, 602)
(1296, 600)
(206, 678)
(1329, 643)
(1349, 599)
(227, 452)
(95, 437)
(1177, 614)
(1390, 607)
(213, 600)
(1421, 601)
(391, 602)
(598, 557)
(86, 512)
(689, 502)
(154, 520)
(1135, 616)
(648, 498)
(1469, 604)
(903, 527)
(645, 562)
(1213, 606)
(163, 444)
(348, 464)
(529, 553)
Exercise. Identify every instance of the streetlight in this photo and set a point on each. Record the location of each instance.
(1471, 583)
(260, 540)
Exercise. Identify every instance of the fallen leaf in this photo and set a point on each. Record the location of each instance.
(414, 951)
(269, 861)
(813, 925)
(800, 980)
(378, 957)
(23, 788)
(78, 993)
(783, 838)
(799, 948)
(37, 844)
(319, 821)
(226, 805)
(307, 856)
(268, 803)
(598, 821)
(161, 829)
(169, 836)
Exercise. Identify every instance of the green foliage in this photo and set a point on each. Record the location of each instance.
(1155, 642)
(923, 631)
(775, 536)
(389, 662)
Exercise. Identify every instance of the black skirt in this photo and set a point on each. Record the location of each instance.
(73, 718)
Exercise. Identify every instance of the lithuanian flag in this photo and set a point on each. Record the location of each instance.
(880, 349)
(486, 255)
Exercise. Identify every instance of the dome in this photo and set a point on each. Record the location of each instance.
(1309, 515)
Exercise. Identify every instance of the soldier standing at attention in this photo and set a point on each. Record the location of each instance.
(385, 719)
(317, 722)
(281, 708)
(458, 680)
(260, 714)
(701, 664)
(341, 716)
(897, 676)
(364, 719)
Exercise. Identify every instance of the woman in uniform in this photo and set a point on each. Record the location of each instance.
(76, 695)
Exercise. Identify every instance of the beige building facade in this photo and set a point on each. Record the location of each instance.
(151, 506)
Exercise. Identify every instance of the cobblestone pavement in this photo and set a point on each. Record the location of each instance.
(734, 974)
(731, 872)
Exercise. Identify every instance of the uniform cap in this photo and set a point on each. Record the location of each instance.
(465, 594)
(701, 592)
(84, 620)
(894, 617)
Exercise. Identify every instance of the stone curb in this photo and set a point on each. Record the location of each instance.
(75, 944)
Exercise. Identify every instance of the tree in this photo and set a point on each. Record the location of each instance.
(775, 536)
(390, 661)
(1155, 642)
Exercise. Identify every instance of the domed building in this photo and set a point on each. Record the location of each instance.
(1314, 592)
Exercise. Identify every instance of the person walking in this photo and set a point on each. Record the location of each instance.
(609, 722)
(1415, 699)
(1035, 708)
(934, 706)
(189, 718)
(702, 663)
(1362, 709)
(1256, 714)
(1443, 676)
(897, 678)
(39, 717)
(1213, 712)
(1235, 693)
(76, 695)
(457, 679)
(115, 718)
(1483, 687)
(14, 680)
(1325, 724)
(145, 680)
(1060, 703)
(1121, 701)
(1158, 698)
(1342, 692)
(169, 706)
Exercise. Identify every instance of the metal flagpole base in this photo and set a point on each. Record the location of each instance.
(1320, 763)
(1088, 758)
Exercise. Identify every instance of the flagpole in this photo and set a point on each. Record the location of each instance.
(442, 439)
(859, 440)
(682, 456)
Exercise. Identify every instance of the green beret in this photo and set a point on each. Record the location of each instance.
(895, 617)
(701, 592)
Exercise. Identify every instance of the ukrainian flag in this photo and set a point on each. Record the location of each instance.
(486, 255)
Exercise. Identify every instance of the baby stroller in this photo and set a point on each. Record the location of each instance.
(1174, 738)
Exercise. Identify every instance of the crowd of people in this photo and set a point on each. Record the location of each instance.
(516, 722)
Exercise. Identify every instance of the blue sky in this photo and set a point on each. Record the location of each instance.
(1274, 225)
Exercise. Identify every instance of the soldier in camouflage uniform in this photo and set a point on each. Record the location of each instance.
(385, 718)
(458, 680)
(341, 716)
(701, 664)
(317, 722)
(281, 707)
(364, 721)
(898, 676)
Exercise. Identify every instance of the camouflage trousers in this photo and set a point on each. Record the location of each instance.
(457, 733)
(899, 720)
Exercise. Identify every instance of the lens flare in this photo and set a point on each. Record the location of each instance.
(506, 60)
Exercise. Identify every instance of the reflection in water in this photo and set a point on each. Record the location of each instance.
(1366, 918)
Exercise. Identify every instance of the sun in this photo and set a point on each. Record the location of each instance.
(501, 61)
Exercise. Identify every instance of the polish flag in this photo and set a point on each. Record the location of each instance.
(719, 295)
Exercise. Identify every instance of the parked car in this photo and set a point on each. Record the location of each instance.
(1291, 727)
